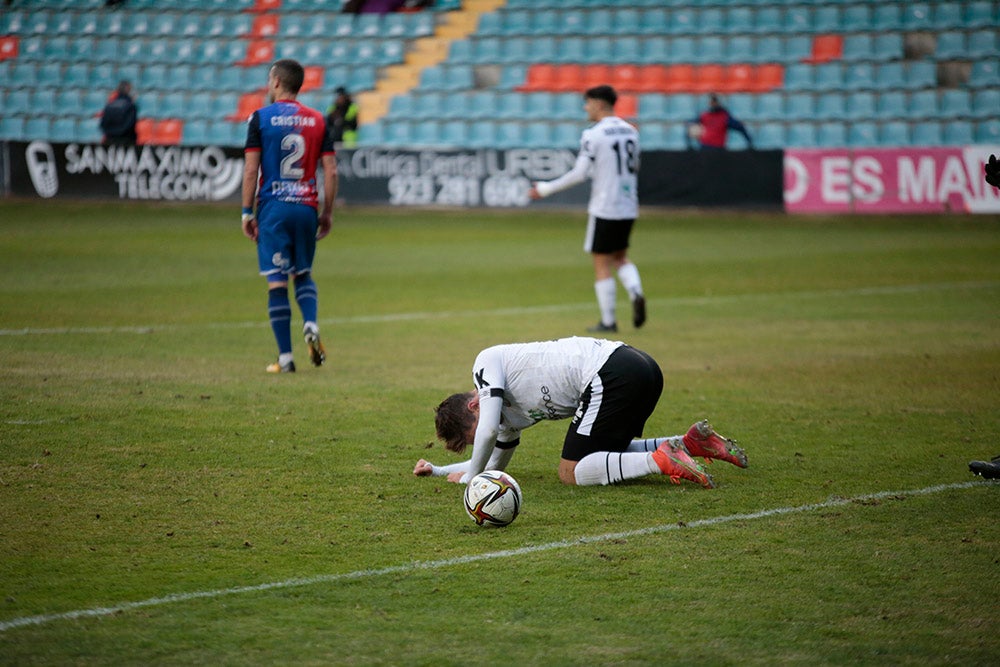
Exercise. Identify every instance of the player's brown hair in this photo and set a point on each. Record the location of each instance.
(290, 74)
(453, 419)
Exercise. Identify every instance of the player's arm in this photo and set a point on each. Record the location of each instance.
(737, 126)
(578, 174)
(251, 168)
(454, 472)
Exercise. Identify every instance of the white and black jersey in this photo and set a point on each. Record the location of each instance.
(609, 156)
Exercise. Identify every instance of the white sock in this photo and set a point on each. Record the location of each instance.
(285, 358)
(650, 444)
(629, 275)
(613, 467)
(606, 292)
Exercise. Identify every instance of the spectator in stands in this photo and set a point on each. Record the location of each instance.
(119, 116)
(371, 6)
(711, 127)
(342, 119)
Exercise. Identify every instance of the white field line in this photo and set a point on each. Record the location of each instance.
(417, 566)
(527, 310)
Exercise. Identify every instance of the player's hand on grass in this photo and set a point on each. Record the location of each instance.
(423, 468)
(325, 223)
(993, 171)
(456, 477)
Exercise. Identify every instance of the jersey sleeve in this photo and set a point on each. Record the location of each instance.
(253, 142)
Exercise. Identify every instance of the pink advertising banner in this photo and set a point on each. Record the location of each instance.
(907, 180)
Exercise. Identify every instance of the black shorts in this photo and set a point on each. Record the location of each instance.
(616, 405)
(607, 236)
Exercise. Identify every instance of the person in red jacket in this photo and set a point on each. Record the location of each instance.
(711, 127)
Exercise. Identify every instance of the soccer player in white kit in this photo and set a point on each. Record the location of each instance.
(608, 388)
(609, 156)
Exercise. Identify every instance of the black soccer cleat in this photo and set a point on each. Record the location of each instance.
(986, 469)
(639, 311)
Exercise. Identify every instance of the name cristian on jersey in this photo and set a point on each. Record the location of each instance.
(291, 138)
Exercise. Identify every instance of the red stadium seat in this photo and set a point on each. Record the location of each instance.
(770, 76)
(144, 130)
(627, 106)
(259, 52)
(626, 77)
(540, 77)
(313, 79)
(597, 75)
(680, 78)
(826, 48)
(168, 132)
(265, 25)
(247, 105)
(260, 6)
(9, 47)
(653, 79)
(569, 79)
(737, 78)
(707, 78)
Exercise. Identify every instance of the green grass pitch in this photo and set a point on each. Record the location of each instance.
(164, 501)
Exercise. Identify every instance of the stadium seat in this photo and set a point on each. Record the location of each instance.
(12, 128)
(37, 128)
(926, 133)
(856, 18)
(985, 74)
(482, 134)
(426, 133)
(859, 47)
(894, 133)
(801, 135)
(985, 103)
(800, 106)
(567, 135)
(510, 106)
(983, 44)
(830, 106)
(829, 76)
(538, 134)
(831, 135)
(769, 136)
(950, 44)
(981, 14)
(891, 104)
(859, 76)
(863, 134)
(799, 77)
(454, 133)
(859, 106)
(958, 133)
(923, 104)
(683, 107)
(769, 106)
(988, 131)
(887, 17)
(916, 16)
(956, 104)
(888, 46)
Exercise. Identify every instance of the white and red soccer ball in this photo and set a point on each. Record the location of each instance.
(492, 498)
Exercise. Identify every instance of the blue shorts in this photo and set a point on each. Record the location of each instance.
(286, 243)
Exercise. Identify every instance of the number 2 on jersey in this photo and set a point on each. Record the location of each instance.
(291, 164)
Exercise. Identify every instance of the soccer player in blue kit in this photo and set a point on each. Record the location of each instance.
(285, 143)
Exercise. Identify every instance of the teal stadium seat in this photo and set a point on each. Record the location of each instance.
(859, 47)
(427, 133)
(983, 44)
(958, 133)
(950, 44)
(482, 134)
(887, 16)
(12, 128)
(831, 135)
(770, 106)
(428, 105)
(917, 16)
(653, 107)
(567, 135)
(981, 14)
(654, 21)
(830, 106)
(985, 103)
(988, 131)
(946, 15)
(709, 20)
(888, 46)
(923, 104)
(859, 76)
(454, 133)
(18, 101)
(709, 49)
(683, 107)
(510, 106)
(769, 136)
(737, 20)
(860, 106)
(829, 76)
(856, 18)
(538, 134)
(539, 105)
(827, 19)
(862, 134)
(985, 74)
(371, 134)
(43, 101)
(64, 129)
(797, 19)
(926, 133)
(956, 103)
(482, 104)
(894, 133)
(37, 128)
(801, 135)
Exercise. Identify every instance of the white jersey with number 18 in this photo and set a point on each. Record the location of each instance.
(609, 155)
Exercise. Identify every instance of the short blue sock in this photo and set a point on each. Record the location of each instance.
(307, 297)
(279, 309)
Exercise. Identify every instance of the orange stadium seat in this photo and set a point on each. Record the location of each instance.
(265, 25)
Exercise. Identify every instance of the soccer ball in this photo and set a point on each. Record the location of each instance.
(492, 498)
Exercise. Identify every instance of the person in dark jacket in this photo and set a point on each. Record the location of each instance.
(711, 127)
(119, 117)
